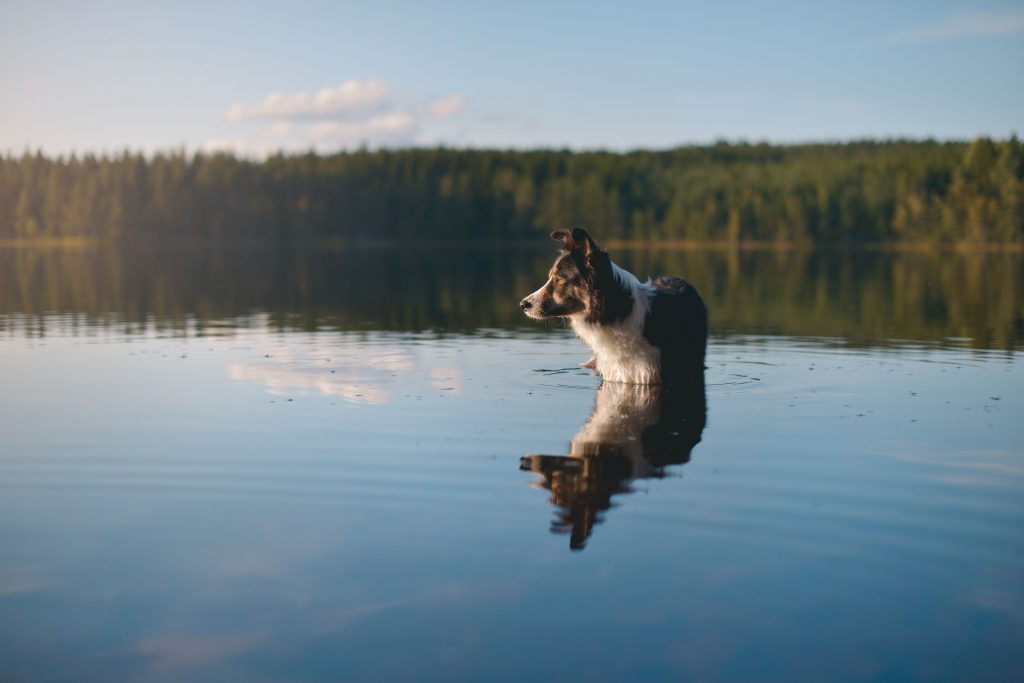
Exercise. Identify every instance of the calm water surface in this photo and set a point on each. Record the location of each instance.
(365, 466)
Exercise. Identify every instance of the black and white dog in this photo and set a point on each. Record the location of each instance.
(640, 332)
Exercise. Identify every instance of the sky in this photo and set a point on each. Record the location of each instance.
(257, 77)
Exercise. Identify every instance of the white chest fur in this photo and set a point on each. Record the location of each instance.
(621, 352)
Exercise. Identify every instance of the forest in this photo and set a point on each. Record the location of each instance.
(864, 192)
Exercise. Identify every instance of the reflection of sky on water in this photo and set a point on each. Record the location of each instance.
(368, 375)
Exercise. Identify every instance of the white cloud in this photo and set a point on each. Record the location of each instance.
(397, 127)
(446, 108)
(348, 100)
(215, 145)
(280, 130)
(349, 115)
(965, 25)
(282, 135)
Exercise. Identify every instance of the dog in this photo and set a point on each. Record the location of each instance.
(650, 332)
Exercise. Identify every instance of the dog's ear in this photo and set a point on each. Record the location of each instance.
(584, 242)
(576, 240)
(565, 237)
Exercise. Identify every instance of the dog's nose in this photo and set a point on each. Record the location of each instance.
(525, 304)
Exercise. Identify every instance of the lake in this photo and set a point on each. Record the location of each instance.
(366, 464)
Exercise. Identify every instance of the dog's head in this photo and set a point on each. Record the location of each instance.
(572, 279)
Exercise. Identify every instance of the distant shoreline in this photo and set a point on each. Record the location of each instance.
(79, 242)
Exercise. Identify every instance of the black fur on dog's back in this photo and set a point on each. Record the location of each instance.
(678, 325)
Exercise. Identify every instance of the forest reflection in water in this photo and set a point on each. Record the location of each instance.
(865, 298)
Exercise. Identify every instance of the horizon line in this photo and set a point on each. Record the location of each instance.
(184, 151)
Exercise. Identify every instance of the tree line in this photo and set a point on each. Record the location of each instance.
(836, 193)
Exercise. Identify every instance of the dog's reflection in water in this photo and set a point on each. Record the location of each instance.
(634, 433)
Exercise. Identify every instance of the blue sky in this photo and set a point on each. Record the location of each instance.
(255, 77)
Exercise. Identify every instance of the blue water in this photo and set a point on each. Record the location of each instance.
(238, 500)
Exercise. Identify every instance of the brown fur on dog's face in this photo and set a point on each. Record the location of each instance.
(564, 294)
